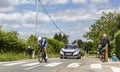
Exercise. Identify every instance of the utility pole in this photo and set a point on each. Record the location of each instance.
(36, 17)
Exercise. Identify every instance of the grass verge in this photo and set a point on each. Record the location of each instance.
(13, 56)
(20, 56)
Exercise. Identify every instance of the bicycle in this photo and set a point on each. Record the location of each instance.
(41, 55)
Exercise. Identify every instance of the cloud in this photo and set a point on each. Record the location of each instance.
(10, 18)
(54, 2)
(30, 17)
(79, 1)
(8, 5)
(109, 10)
(29, 25)
(15, 26)
(87, 29)
(99, 1)
(27, 1)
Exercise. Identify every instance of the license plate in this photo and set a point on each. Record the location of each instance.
(68, 53)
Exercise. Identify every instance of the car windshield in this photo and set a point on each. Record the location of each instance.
(70, 47)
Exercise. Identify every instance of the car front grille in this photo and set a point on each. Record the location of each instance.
(68, 53)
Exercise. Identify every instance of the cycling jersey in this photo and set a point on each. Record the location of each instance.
(43, 42)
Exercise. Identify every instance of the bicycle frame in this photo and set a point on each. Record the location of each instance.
(41, 55)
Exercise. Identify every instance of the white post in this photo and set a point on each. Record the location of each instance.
(33, 54)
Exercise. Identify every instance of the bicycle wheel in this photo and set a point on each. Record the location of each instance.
(40, 55)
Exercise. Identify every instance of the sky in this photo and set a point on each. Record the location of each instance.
(73, 17)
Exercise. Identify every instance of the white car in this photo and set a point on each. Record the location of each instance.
(70, 50)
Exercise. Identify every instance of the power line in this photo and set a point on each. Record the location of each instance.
(45, 10)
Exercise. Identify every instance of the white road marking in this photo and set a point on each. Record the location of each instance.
(53, 64)
(115, 69)
(15, 63)
(31, 64)
(73, 65)
(96, 66)
(3, 62)
(33, 67)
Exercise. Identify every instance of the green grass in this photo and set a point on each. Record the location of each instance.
(20, 56)
(53, 55)
(13, 56)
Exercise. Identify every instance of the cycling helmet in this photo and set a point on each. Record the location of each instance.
(39, 38)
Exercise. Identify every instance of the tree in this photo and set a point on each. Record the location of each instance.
(65, 39)
(32, 41)
(9, 42)
(79, 42)
(54, 46)
(108, 23)
(61, 38)
(117, 44)
(0, 27)
(56, 36)
(88, 46)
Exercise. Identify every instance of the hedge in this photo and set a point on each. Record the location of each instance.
(117, 44)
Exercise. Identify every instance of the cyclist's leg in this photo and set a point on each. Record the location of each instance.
(45, 50)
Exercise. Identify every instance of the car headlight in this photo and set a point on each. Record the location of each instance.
(61, 52)
(76, 52)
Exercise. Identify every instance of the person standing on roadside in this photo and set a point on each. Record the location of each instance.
(104, 41)
(29, 51)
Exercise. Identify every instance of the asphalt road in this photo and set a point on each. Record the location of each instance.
(86, 64)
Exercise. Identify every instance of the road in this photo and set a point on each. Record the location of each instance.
(86, 64)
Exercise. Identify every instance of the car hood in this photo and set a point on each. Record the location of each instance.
(68, 50)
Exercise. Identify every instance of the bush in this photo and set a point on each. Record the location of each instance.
(112, 46)
(117, 44)
(54, 46)
(93, 52)
(82, 52)
(50, 49)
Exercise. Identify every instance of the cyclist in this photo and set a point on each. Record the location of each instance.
(43, 43)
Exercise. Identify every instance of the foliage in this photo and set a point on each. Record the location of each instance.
(32, 41)
(9, 42)
(54, 46)
(79, 43)
(117, 44)
(61, 38)
(82, 52)
(14, 48)
(112, 46)
(88, 46)
(13, 56)
(108, 23)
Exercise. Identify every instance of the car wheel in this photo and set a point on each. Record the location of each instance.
(61, 57)
(65, 57)
(79, 56)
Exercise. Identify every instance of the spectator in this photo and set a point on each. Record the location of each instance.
(104, 40)
(29, 51)
(103, 43)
